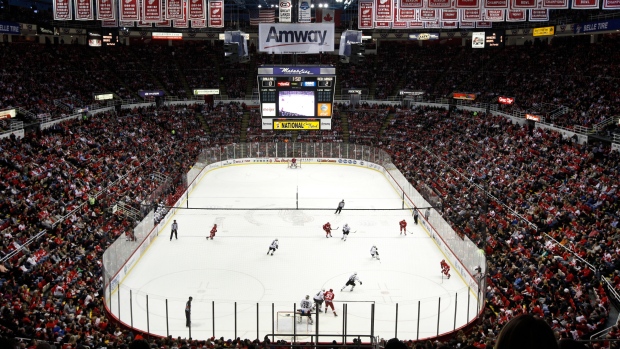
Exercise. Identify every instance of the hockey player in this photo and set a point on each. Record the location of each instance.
(174, 229)
(318, 299)
(445, 268)
(329, 301)
(213, 231)
(351, 282)
(273, 247)
(403, 227)
(327, 227)
(415, 216)
(305, 309)
(374, 252)
(294, 163)
(340, 207)
(345, 231)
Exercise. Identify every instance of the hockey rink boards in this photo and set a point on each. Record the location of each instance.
(254, 204)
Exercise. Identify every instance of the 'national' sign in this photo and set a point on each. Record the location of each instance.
(296, 38)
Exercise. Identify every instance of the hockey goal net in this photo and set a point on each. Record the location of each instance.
(294, 163)
(287, 320)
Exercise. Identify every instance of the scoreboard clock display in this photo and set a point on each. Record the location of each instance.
(298, 95)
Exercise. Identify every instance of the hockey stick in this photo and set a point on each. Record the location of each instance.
(336, 228)
(355, 232)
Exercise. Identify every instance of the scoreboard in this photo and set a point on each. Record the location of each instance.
(296, 97)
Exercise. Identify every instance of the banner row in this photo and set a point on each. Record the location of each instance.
(145, 12)
(398, 14)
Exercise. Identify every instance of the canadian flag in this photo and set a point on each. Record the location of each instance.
(328, 16)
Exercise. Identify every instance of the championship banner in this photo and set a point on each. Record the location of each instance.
(162, 24)
(84, 10)
(467, 25)
(539, 15)
(449, 25)
(143, 24)
(495, 3)
(432, 25)
(410, 3)
(181, 23)
(128, 24)
(429, 15)
(494, 15)
(197, 10)
(585, 4)
(450, 15)
(365, 14)
(305, 11)
(384, 10)
(129, 10)
(439, 3)
(416, 25)
(396, 24)
(611, 4)
(62, 10)
(467, 4)
(174, 9)
(519, 4)
(216, 14)
(286, 11)
(199, 23)
(406, 14)
(383, 25)
(484, 24)
(105, 9)
(151, 11)
(516, 16)
(109, 23)
(471, 15)
(304, 38)
(559, 4)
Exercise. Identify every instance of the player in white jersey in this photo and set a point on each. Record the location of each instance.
(273, 247)
(351, 282)
(318, 299)
(374, 252)
(305, 309)
(345, 232)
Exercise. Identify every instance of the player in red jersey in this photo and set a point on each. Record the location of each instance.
(445, 268)
(403, 227)
(213, 231)
(328, 229)
(329, 301)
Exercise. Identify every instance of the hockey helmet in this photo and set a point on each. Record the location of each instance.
(276, 239)
(354, 273)
(331, 290)
(323, 289)
(307, 297)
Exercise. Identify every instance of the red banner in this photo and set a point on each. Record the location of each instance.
(505, 100)
(467, 4)
(484, 24)
(516, 4)
(494, 15)
(539, 15)
(216, 14)
(365, 14)
(174, 9)
(449, 25)
(407, 14)
(129, 10)
(585, 4)
(467, 25)
(197, 9)
(383, 25)
(163, 24)
(62, 10)
(461, 95)
(84, 10)
(429, 15)
(471, 15)
(495, 3)
(396, 24)
(151, 11)
(410, 3)
(105, 9)
(199, 23)
(432, 25)
(515, 16)
(611, 4)
(143, 24)
(450, 15)
(558, 3)
(107, 23)
(181, 23)
(384, 10)
(416, 25)
(439, 4)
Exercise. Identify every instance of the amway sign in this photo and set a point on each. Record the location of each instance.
(296, 38)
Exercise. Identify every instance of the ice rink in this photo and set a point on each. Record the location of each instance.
(235, 267)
